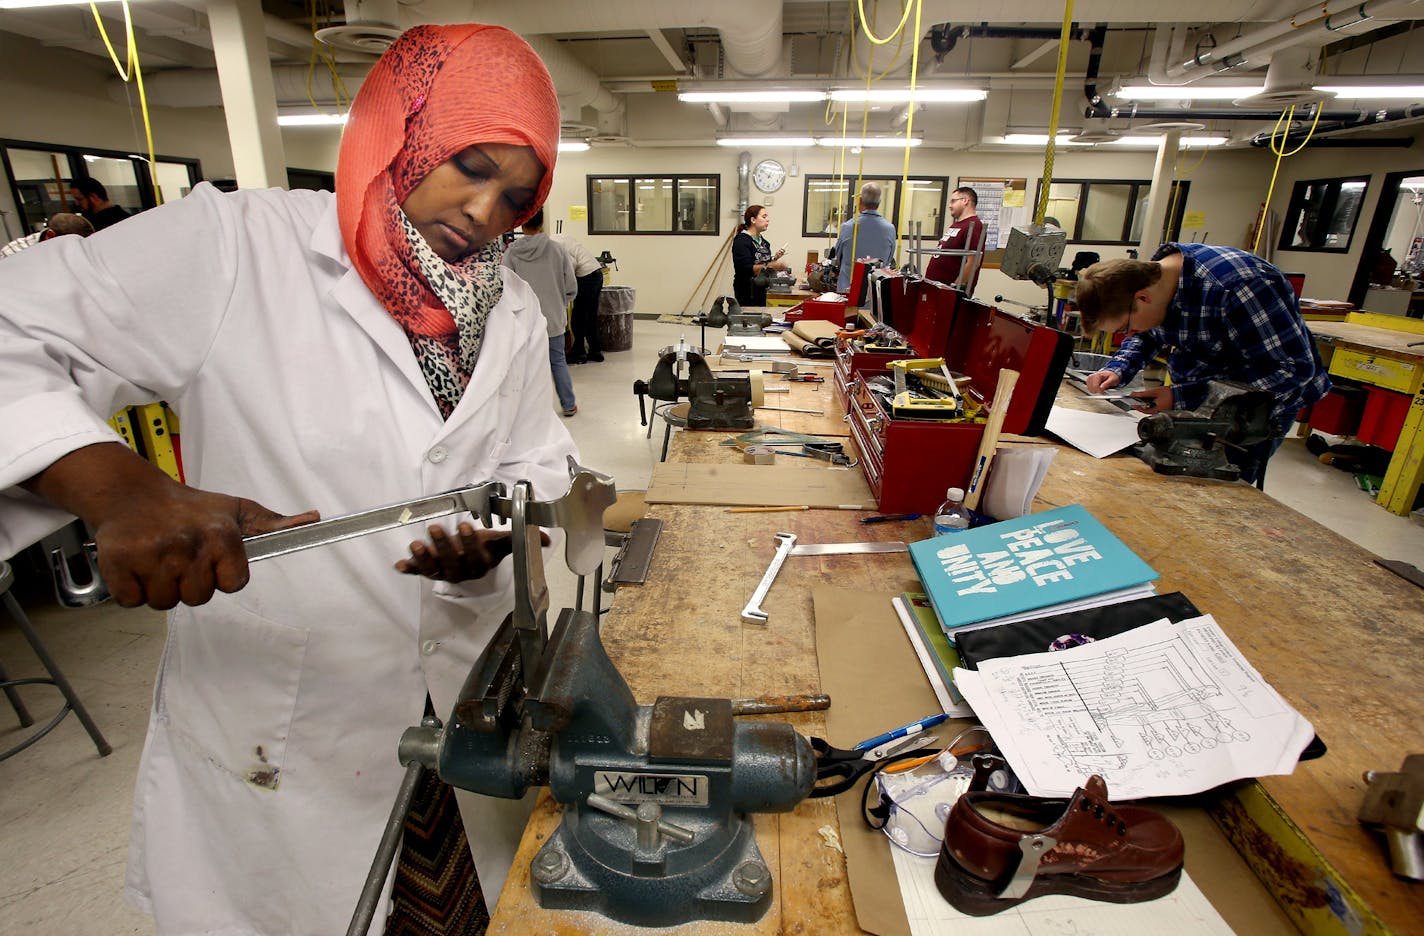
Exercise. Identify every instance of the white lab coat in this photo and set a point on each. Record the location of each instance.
(270, 764)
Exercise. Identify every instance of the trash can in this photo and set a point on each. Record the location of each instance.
(615, 317)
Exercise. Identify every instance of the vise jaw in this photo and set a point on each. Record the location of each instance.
(1394, 804)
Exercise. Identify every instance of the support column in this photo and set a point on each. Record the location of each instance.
(1161, 195)
(249, 101)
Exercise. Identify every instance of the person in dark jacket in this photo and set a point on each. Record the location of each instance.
(752, 257)
(92, 200)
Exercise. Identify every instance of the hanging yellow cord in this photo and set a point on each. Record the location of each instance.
(328, 57)
(1048, 153)
(1281, 154)
(906, 199)
(131, 70)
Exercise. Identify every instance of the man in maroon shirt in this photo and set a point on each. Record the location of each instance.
(966, 232)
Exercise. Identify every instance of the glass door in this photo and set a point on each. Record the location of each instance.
(42, 183)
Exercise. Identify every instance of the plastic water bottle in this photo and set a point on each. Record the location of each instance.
(951, 516)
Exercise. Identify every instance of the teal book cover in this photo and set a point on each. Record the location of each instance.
(1047, 562)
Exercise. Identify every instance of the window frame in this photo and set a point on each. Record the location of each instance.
(1173, 223)
(633, 179)
(77, 170)
(853, 184)
(1296, 206)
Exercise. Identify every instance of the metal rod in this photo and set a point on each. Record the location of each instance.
(776, 705)
(385, 854)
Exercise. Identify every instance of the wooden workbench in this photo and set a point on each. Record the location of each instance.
(1335, 634)
(1376, 350)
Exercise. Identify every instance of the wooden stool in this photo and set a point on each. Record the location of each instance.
(56, 678)
(673, 414)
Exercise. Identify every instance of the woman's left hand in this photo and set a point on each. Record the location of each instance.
(469, 554)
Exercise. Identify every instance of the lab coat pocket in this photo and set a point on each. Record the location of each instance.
(228, 689)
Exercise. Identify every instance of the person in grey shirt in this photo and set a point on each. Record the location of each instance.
(547, 267)
(868, 234)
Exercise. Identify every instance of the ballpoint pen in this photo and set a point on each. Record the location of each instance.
(914, 727)
(884, 518)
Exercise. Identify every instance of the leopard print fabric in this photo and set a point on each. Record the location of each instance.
(469, 290)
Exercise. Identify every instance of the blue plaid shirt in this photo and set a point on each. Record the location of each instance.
(1234, 317)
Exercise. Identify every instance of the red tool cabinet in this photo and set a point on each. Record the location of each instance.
(909, 463)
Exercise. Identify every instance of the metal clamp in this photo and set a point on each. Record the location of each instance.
(752, 613)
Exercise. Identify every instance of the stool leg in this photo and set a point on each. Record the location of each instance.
(667, 437)
(26, 719)
(24, 623)
(578, 599)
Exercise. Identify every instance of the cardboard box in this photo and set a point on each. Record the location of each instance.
(909, 463)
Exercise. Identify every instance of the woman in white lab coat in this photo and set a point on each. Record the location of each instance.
(323, 355)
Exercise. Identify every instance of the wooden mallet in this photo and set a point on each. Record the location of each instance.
(990, 443)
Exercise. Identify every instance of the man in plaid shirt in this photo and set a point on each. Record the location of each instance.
(1219, 313)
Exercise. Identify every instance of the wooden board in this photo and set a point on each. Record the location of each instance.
(1369, 338)
(805, 483)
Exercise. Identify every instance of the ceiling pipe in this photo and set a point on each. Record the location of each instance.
(1098, 109)
(199, 87)
(576, 85)
(1360, 120)
(1305, 25)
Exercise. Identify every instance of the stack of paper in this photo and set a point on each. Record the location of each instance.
(1162, 710)
(1014, 479)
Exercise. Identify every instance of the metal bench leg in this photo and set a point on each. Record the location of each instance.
(26, 719)
(70, 698)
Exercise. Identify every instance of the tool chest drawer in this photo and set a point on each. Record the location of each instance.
(1387, 372)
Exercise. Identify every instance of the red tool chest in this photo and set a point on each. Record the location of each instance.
(909, 463)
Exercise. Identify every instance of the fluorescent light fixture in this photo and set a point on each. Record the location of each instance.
(1155, 140)
(28, 4)
(1374, 92)
(748, 97)
(311, 120)
(1187, 92)
(572, 146)
(904, 95)
(868, 141)
(1038, 139)
(766, 141)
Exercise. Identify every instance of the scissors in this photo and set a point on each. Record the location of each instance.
(843, 768)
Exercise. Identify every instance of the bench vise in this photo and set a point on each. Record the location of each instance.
(720, 400)
(656, 829)
(727, 313)
(1195, 443)
(1394, 804)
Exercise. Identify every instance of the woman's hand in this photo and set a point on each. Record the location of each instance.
(1102, 380)
(469, 554)
(159, 542)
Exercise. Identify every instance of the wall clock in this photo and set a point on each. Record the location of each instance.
(769, 175)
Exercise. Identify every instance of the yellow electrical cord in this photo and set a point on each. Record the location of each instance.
(131, 70)
(1281, 154)
(1049, 152)
(328, 57)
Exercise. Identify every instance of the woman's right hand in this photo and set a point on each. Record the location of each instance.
(182, 545)
(159, 542)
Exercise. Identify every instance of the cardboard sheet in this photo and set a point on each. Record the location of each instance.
(851, 628)
(760, 486)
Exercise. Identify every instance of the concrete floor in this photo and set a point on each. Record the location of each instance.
(64, 813)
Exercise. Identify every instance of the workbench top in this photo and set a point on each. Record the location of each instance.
(1335, 634)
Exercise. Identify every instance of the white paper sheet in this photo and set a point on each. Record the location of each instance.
(1161, 710)
(1015, 476)
(1185, 910)
(1098, 434)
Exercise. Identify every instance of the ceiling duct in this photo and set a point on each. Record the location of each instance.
(1289, 80)
(370, 27)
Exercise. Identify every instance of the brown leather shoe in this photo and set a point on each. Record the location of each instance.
(1002, 849)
